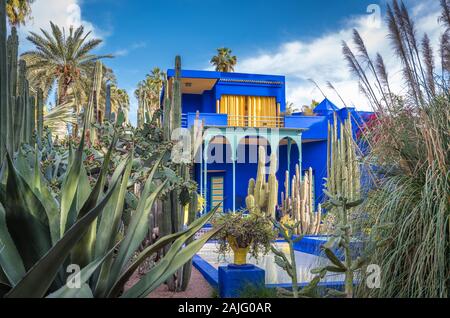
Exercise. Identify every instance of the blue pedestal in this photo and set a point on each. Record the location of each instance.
(233, 279)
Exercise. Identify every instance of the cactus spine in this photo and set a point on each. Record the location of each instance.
(263, 194)
(299, 205)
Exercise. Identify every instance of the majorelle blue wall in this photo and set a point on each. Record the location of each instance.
(239, 84)
(314, 147)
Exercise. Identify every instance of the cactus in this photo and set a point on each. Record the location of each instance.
(40, 113)
(172, 219)
(263, 194)
(299, 205)
(94, 101)
(18, 115)
(343, 192)
(343, 167)
(108, 103)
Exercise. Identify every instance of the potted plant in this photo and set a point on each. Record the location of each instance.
(244, 233)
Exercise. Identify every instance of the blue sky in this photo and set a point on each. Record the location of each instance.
(296, 38)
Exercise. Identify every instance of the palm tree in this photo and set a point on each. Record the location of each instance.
(309, 110)
(224, 61)
(148, 92)
(290, 108)
(120, 100)
(61, 59)
(18, 11)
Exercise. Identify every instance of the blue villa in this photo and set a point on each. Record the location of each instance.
(240, 111)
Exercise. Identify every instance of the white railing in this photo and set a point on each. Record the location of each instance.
(256, 121)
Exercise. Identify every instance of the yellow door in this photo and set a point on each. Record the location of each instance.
(217, 192)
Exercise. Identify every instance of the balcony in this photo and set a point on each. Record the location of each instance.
(317, 126)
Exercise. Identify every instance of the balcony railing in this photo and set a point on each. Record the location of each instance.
(256, 121)
(316, 125)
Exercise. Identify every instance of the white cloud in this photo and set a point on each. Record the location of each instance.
(321, 59)
(133, 47)
(64, 13)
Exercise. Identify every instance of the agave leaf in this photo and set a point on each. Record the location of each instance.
(109, 222)
(83, 191)
(38, 185)
(109, 227)
(83, 252)
(38, 280)
(168, 266)
(135, 235)
(138, 227)
(10, 260)
(85, 275)
(50, 204)
(84, 292)
(26, 218)
(70, 185)
(125, 276)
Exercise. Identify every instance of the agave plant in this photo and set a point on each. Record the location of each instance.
(41, 236)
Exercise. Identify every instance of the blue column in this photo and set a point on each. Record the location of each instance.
(234, 158)
(234, 185)
(205, 176)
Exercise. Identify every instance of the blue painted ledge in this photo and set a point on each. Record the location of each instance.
(207, 270)
(212, 277)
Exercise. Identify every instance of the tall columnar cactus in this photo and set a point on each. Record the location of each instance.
(166, 110)
(343, 191)
(94, 101)
(173, 207)
(18, 113)
(299, 205)
(108, 110)
(343, 167)
(40, 113)
(263, 192)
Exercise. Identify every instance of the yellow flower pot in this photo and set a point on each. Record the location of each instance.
(240, 254)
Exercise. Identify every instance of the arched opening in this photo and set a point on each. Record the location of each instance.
(289, 157)
(247, 164)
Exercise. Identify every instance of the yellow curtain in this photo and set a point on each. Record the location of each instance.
(250, 111)
(262, 111)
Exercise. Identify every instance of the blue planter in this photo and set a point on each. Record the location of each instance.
(234, 278)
